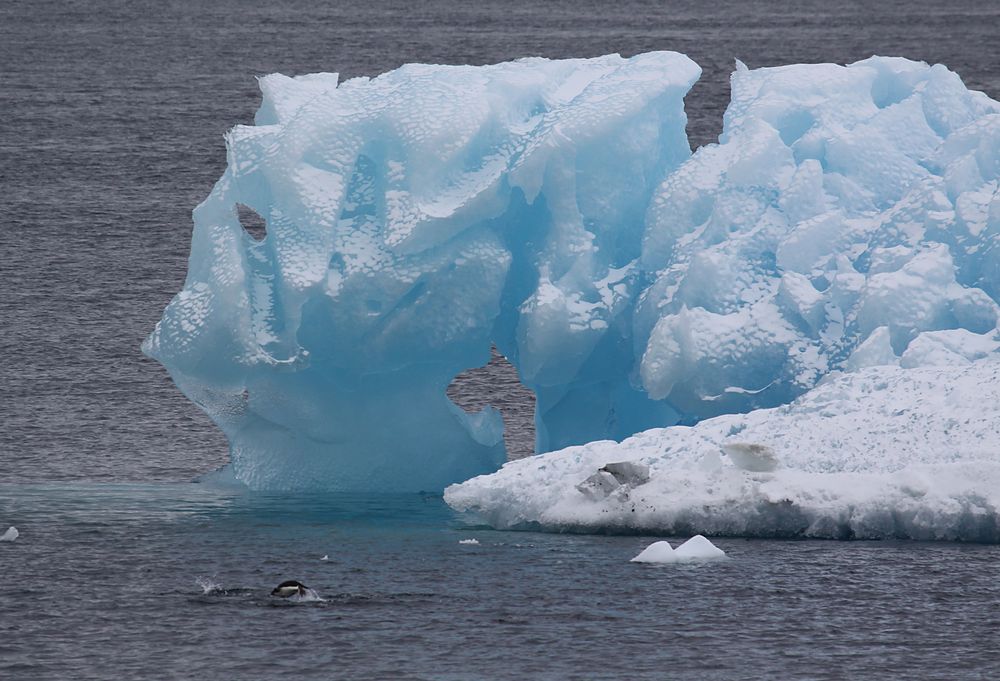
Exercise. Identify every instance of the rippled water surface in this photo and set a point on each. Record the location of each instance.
(111, 124)
(172, 581)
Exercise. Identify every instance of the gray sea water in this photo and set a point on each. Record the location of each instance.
(111, 124)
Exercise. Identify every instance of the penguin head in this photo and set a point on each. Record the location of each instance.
(288, 588)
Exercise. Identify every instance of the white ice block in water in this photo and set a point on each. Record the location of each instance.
(10, 535)
(699, 548)
(657, 552)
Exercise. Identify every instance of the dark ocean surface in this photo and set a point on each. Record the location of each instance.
(111, 123)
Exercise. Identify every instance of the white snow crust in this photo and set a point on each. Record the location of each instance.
(879, 453)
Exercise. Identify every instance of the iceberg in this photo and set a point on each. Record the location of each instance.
(847, 219)
(883, 452)
(412, 220)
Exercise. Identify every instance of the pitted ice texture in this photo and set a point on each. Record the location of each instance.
(847, 218)
(842, 205)
(412, 219)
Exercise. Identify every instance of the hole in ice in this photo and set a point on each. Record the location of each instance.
(498, 384)
(253, 224)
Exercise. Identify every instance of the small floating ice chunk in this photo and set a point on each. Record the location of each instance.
(698, 548)
(657, 552)
(751, 457)
(468, 541)
(10, 535)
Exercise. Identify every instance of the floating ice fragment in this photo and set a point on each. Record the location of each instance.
(657, 552)
(698, 548)
(468, 541)
(10, 535)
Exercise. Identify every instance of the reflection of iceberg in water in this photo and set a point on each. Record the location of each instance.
(847, 218)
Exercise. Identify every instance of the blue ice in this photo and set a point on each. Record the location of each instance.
(553, 208)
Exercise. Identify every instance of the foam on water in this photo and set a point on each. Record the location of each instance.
(208, 585)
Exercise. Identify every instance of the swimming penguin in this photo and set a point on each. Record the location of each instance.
(290, 588)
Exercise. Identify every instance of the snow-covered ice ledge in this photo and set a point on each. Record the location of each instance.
(880, 453)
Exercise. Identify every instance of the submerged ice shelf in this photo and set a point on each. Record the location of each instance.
(847, 218)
